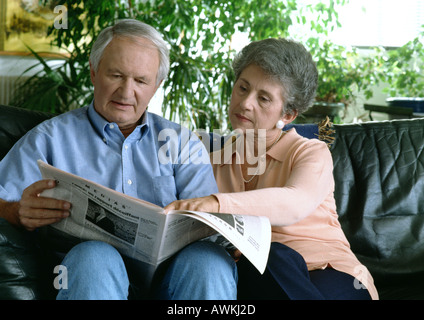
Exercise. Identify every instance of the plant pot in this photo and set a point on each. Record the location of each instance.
(320, 110)
(417, 104)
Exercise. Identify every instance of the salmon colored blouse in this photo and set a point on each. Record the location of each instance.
(296, 193)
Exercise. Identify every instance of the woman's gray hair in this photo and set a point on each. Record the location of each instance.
(287, 62)
(133, 29)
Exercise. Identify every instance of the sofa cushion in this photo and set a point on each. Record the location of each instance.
(379, 173)
(21, 268)
(307, 130)
(15, 122)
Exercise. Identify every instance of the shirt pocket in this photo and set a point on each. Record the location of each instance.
(164, 190)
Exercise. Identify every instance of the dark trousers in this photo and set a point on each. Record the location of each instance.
(287, 277)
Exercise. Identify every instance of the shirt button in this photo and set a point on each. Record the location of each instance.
(129, 182)
(111, 126)
(126, 147)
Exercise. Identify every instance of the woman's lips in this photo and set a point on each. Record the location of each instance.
(242, 118)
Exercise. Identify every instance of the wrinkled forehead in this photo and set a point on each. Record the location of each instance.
(142, 41)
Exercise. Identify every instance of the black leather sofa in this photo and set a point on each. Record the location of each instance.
(379, 174)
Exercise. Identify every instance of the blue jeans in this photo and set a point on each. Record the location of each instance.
(202, 270)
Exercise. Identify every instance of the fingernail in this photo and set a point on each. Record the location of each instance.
(66, 205)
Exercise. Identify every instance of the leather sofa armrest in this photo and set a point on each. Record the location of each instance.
(20, 265)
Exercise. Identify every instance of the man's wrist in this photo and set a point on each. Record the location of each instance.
(10, 212)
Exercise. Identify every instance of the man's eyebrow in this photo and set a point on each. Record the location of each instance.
(113, 70)
(116, 70)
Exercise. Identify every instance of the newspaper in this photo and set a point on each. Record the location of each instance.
(141, 230)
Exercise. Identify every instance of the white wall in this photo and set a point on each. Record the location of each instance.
(11, 68)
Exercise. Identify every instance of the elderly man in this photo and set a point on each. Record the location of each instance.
(114, 142)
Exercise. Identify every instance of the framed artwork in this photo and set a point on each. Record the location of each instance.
(25, 22)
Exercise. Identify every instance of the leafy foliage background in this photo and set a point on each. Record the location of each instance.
(200, 35)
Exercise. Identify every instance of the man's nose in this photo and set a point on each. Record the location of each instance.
(127, 88)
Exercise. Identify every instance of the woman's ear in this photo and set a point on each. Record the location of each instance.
(289, 117)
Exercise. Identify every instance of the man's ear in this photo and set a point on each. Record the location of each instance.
(92, 73)
(158, 85)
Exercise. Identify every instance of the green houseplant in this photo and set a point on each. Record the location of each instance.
(200, 34)
(404, 73)
(343, 74)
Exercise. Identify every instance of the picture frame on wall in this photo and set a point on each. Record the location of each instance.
(25, 23)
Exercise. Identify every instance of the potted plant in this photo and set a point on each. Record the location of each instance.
(404, 72)
(343, 73)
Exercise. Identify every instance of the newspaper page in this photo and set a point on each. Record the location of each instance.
(141, 230)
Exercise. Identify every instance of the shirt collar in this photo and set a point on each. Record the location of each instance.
(100, 124)
(278, 151)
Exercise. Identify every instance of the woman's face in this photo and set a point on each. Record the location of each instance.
(257, 101)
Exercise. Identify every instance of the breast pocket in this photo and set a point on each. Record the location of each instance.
(164, 190)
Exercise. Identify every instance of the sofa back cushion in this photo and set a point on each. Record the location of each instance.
(379, 174)
(14, 123)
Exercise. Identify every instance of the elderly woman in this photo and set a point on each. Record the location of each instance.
(310, 257)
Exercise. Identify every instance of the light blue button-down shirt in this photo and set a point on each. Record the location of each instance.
(158, 162)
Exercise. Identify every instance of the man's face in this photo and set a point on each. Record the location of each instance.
(125, 80)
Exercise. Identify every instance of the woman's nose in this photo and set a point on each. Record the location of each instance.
(247, 102)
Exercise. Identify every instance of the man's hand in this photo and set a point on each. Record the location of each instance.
(205, 204)
(35, 211)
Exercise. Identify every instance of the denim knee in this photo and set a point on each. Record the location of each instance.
(206, 258)
(202, 270)
(95, 270)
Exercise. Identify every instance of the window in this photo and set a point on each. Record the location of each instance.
(389, 23)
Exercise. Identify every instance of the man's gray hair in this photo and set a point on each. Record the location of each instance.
(133, 29)
(287, 62)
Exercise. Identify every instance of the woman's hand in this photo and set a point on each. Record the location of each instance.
(205, 204)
